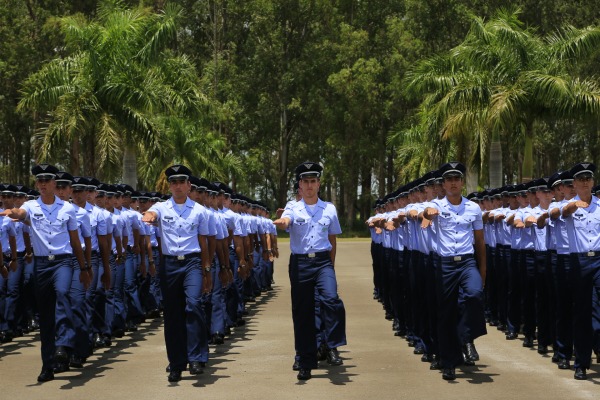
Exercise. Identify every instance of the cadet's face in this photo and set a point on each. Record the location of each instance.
(532, 199)
(91, 196)
(45, 186)
(568, 191)
(558, 194)
(544, 197)
(523, 201)
(80, 196)
(583, 186)
(19, 200)
(180, 188)
(453, 185)
(8, 200)
(63, 192)
(100, 201)
(310, 187)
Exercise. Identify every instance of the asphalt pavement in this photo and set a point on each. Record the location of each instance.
(256, 360)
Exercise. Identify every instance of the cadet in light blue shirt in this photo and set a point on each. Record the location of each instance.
(461, 248)
(184, 273)
(582, 218)
(313, 226)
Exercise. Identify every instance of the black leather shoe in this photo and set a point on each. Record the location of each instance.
(174, 376)
(333, 357)
(131, 327)
(471, 352)
(541, 349)
(322, 353)
(118, 333)
(418, 349)
(196, 368)
(448, 374)
(411, 343)
(76, 362)
(493, 322)
(435, 364)
(564, 364)
(426, 358)
(6, 336)
(296, 366)
(46, 375)
(501, 327)
(528, 341)
(304, 374)
(61, 367)
(555, 358)
(240, 322)
(61, 355)
(467, 361)
(218, 338)
(580, 374)
(389, 316)
(512, 335)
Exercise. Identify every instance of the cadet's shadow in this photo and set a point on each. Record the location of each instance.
(595, 378)
(104, 360)
(338, 375)
(11, 348)
(475, 375)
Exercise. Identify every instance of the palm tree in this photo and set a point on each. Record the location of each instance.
(500, 80)
(110, 93)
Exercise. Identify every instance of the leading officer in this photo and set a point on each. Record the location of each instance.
(55, 241)
(313, 225)
(461, 249)
(184, 273)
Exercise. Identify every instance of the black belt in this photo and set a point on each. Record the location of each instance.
(588, 254)
(460, 258)
(53, 257)
(319, 254)
(154, 247)
(527, 251)
(19, 254)
(182, 257)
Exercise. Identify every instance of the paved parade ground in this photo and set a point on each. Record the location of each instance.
(256, 360)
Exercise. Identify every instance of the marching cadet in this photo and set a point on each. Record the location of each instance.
(148, 292)
(564, 191)
(185, 273)
(459, 236)
(55, 241)
(10, 285)
(77, 293)
(582, 220)
(313, 226)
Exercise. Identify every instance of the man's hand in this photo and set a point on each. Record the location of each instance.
(13, 265)
(282, 223)
(28, 258)
(4, 271)
(430, 213)
(425, 223)
(519, 224)
(149, 217)
(529, 221)
(143, 269)
(152, 269)
(207, 284)
(581, 204)
(85, 277)
(106, 279)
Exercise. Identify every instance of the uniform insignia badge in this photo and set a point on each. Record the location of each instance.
(308, 165)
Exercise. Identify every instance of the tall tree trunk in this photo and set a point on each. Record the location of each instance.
(284, 148)
(472, 178)
(495, 163)
(130, 165)
(528, 153)
(74, 162)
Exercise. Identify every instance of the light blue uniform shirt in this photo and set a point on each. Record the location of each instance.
(376, 237)
(83, 223)
(527, 236)
(7, 228)
(20, 228)
(180, 226)
(118, 230)
(397, 239)
(583, 227)
(310, 229)
(97, 223)
(50, 226)
(540, 239)
(559, 232)
(455, 226)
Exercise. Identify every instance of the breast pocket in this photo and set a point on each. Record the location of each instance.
(324, 224)
(168, 225)
(301, 226)
(38, 222)
(445, 222)
(580, 221)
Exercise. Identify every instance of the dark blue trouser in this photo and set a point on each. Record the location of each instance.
(132, 297)
(433, 263)
(217, 318)
(454, 328)
(115, 297)
(28, 304)
(398, 289)
(306, 274)
(77, 293)
(52, 285)
(563, 287)
(491, 287)
(514, 291)
(586, 279)
(13, 293)
(185, 322)
(544, 299)
(502, 265)
(528, 278)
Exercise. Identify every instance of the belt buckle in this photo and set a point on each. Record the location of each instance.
(591, 253)
(51, 257)
(457, 258)
(311, 255)
(180, 258)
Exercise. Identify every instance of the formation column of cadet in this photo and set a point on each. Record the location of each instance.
(537, 247)
(85, 262)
